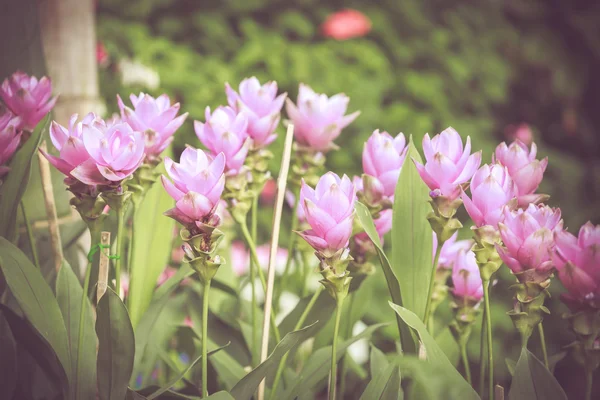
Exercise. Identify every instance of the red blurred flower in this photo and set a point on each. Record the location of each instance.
(346, 24)
(521, 131)
(102, 56)
(267, 196)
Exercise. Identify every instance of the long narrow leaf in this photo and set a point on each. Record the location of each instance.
(385, 385)
(116, 347)
(533, 381)
(412, 236)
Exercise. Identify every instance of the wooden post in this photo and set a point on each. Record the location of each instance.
(68, 30)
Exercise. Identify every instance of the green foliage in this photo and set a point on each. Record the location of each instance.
(532, 380)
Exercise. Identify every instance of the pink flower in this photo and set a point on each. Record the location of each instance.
(28, 98)
(491, 190)
(528, 237)
(94, 152)
(346, 24)
(262, 107)
(318, 120)
(240, 258)
(102, 56)
(525, 171)
(577, 260)
(10, 138)
(520, 132)
(155, 118)
(329, 210)
(465, 276)
(383, 157)
(267, 195)
(225, 131)
(198, 182)
(450, 249)
(448, 166)
(165, 275)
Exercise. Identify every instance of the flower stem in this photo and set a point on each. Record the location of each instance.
(298, 325)
(333, 373)
(205, 339)
(543, 344)
(482, 355)
(490, 340)
(120, 233)
(253, 267)
(347, 335)
(432, 283)
(589, 381)
(291, 242)
(465, 361)
(32, 244)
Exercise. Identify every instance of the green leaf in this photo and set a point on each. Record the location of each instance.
(384, 385)
(412, 236)
(532, 380)
(434, 354)
(318, 364)
(245, 388)
(36, 299)
(222, 395)
(15, 182)
(83, 348)
(116, 347)
(8, 366)
(406, 336)
(320, 313)
(153, 235)
(378, 362)
(180, 376)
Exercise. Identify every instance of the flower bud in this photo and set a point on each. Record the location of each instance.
(383, 157)
(262, 107)
(155, 118)
(28, 98)
(448, 166)
(465, 277)
(318, 120)
(450, 250)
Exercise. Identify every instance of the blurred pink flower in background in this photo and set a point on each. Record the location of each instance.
(240, 258)
(262, 107)
(450, 249)
(382, 158)
(225, 131)
(329, 210)
(491, 189)
(28, 98)
(102, 56)
(520, 132)
(10, 138)
(524, 169)
(465, 276)
(448, 165)
(267, 195)
(577, 259)
(346, 24)
(155, 118)
(318, 120)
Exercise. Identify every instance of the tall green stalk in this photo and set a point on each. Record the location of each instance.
(131, 257)
(32, 244)
(120, 233)
(490, 340)
(347, 335)
(465, 362)
(589, 382)
(253, 267)
(482, 361)
(543, 344)
(432, 283)
(205, 339)
(298, 325)
(291, 243)
(333, 373)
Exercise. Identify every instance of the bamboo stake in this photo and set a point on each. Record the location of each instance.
(50, 208)
(281, 185)
(104, 265)
(499, 392)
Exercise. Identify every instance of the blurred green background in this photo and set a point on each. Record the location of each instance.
(479, 66)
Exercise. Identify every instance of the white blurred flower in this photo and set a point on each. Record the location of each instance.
(287, 302)
(134, 73)
(359, 350)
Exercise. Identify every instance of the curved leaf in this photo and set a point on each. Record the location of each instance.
(15, 182)
(533, 381)
(116, 347)
(384, 385)
(364, 216)
(36, 299)
(412, 235)
(246, 388)
(83, 348)
(434, 354)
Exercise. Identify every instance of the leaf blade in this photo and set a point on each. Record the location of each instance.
(532, 380)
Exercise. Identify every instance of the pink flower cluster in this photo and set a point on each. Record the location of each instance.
(10, 138)
(382, 158)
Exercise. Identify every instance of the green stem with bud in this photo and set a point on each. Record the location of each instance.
(432, 282)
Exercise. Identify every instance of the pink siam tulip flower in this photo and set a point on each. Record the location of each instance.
(28, 98)
(262, 107)
(240, 258)
(94, 152)
(329, 210)
(577, 260)
(198, 182)
(529, 239)
(346, 24)
(383, 157)
(525, 171)
(10, 138)
(465, 276)
(448, 165)
(450, 249)
(155, 118)
(318, 120)
(225, 131)
(491, 189)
